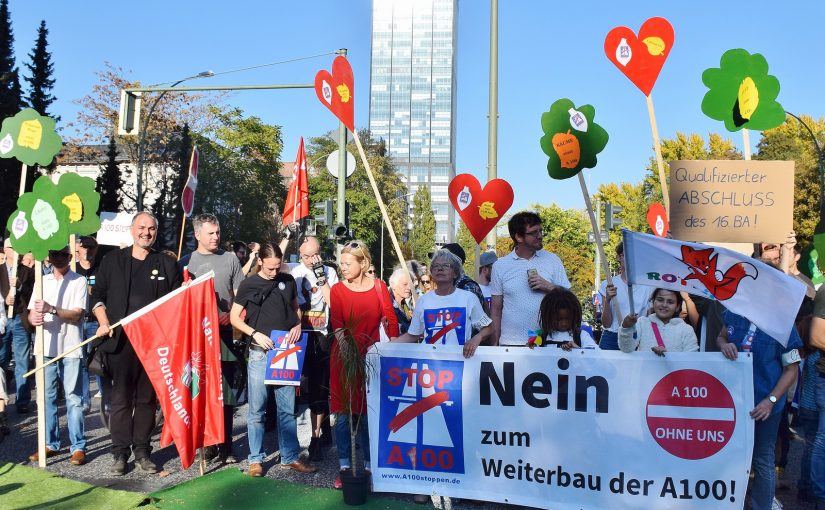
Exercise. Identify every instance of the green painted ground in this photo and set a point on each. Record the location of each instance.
(232, 489)
(28, 488)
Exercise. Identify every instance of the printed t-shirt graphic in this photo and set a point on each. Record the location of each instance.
(447, 319)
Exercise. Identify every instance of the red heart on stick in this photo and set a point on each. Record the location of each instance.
(657, 219)
(480, 208)
(335, 91)
(640, 58)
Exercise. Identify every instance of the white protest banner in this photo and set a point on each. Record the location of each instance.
(731, 201)
(563, 430)
(114, 229)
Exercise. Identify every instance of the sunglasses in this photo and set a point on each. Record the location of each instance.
(425, 281)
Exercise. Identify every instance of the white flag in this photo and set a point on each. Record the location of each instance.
(764, 295)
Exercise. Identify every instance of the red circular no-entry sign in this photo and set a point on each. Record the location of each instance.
(691, 414)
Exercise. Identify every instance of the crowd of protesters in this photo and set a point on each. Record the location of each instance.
(521, 298)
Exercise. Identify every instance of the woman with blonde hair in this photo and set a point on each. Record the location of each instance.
(359, 306)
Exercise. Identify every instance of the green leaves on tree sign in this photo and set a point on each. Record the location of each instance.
(29, 137)
(49, 213)
(742, 94)
(41, 221)
(571, 138)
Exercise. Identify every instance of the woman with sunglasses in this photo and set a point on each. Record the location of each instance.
(425, 281)
(359, 306)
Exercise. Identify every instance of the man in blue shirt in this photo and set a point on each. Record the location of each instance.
(774, 371)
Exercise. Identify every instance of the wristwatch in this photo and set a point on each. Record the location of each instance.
(772, 399)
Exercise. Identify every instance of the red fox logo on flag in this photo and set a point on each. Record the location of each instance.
(702, 265)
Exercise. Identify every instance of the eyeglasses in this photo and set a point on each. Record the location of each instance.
(425, 281)
(370, 271)
(535, 234)
(439, 267)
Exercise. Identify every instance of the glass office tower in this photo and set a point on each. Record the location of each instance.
(412, 95)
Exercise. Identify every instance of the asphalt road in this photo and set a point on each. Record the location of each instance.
(22, 442)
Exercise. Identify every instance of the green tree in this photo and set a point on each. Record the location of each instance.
(10, 103)
(791, 141)
(41, 69)
(365, 215)
(565, 234)
(468, 243)
(422, 234)
(109, 181)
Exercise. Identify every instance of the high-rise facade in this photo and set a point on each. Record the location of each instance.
(412, 95)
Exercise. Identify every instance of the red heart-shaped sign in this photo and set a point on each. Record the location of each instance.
(335, 91)
(640, 58)
(657, 219)
(480, 208)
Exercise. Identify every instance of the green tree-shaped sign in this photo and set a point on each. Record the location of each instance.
(571, 138)
(742, 94)
(79, 196)
(41, 220)
(29, 137)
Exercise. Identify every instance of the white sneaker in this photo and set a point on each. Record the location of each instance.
(776, 505)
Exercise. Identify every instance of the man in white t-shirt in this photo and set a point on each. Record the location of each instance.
(616, 291)
(313, 281)
(60, 312)
(520, 280)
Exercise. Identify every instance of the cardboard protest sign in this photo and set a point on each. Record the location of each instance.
(731, 201)
(480, 208)
(115, 229)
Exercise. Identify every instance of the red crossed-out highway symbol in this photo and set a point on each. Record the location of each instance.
(691, 414)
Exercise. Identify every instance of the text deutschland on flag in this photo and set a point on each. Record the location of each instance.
(746, 286)
(176, 339)
(296, 205)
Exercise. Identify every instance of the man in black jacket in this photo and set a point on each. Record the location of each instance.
(128, 280)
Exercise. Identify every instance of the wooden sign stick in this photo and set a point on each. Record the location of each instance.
(657, 147)
(40, 377)
(746, 143)
(15, 259)
(182, 227)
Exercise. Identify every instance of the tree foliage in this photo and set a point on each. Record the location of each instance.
(422, 234)
(41, 69)
(365, 215)
(109, 181)
(791, 141)
(10, 103)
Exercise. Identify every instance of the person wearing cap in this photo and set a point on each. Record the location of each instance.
(16, 293)
(464, 282)
(86, 255)
(485, 270)
(60, 312)
(520, 280)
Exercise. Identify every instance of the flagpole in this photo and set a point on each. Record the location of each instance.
(66, 352)
(182, 228)
(627, 271)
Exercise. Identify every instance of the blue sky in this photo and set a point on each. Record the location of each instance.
(548, 50)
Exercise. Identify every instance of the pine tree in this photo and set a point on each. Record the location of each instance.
(41, 68)
(109, 181)
(9, 105)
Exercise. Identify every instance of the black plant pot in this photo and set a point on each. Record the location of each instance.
(355, 487)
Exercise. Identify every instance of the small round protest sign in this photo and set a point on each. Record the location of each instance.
(691, 414)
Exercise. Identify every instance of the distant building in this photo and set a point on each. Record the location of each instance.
(412, 95)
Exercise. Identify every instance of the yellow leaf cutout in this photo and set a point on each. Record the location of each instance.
(655, 45)
(487, 210)
(343, 91)
(748, 98)
(31, 133)
(75, 206)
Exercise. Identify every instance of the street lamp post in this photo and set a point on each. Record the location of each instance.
(820, 158)
(397, 198)
(142, 139)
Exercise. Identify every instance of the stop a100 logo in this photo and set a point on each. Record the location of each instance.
(420, 425)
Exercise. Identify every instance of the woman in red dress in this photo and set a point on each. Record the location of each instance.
(358, 307)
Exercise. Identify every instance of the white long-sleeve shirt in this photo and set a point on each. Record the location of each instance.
(677, 335)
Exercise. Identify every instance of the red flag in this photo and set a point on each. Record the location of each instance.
(176, 339)
(297, 199)
(187, 198)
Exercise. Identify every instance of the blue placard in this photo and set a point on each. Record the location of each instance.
(285, 361)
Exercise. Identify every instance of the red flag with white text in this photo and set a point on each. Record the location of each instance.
(296, 205)
(187, 197)
(176, 339)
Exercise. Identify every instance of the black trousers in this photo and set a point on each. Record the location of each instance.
(316, 370)
(133, 403)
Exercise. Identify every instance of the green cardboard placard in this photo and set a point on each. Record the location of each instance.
(79, 196)
(742, 94)
(571, 138)
(41, 220)
(29, 137)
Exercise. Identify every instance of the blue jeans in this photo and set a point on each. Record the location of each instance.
(764, 456)
(67, 370)
(808, 420)
(818, 453)
(21, 347)
(285, 402)
(609, 341)
(343, 440)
